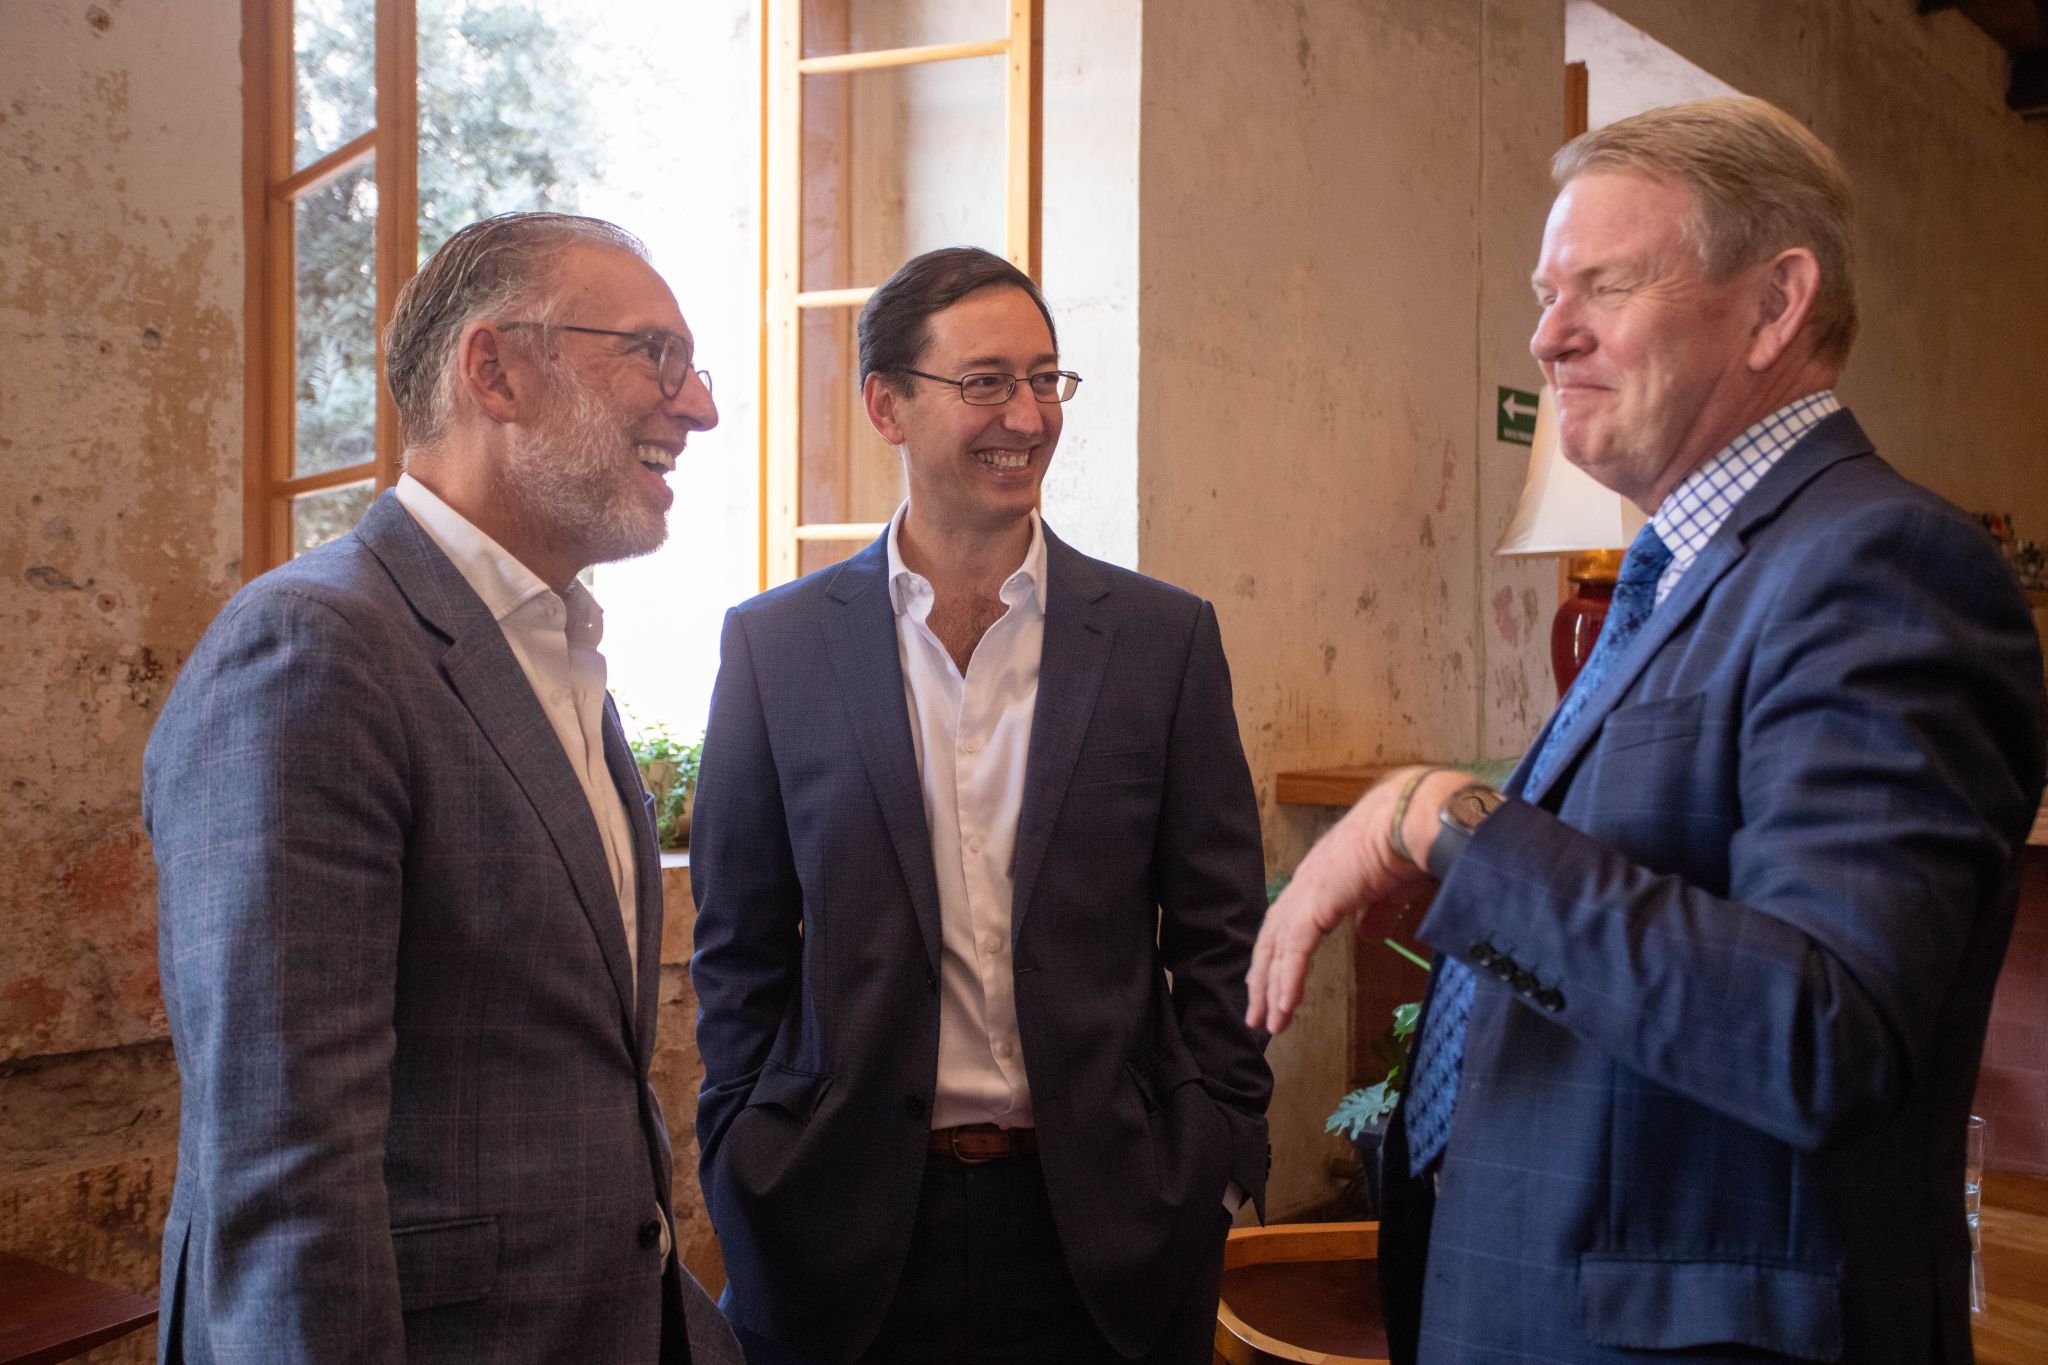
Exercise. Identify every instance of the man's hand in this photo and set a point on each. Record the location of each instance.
(1351, 868)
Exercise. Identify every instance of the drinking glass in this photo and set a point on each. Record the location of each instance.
(1973, 1202)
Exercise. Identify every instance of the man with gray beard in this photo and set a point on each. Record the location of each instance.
(410, 903)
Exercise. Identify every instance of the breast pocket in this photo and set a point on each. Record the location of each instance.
(1653, 722)
(1122, 765)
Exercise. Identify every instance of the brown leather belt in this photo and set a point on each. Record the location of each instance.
(973, 1143)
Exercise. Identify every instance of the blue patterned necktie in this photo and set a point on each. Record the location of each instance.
(1440, 1051)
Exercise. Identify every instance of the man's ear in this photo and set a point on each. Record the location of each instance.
(882, 401)
(1787, 286)
(483, 372)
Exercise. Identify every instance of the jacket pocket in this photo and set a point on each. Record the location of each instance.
(448, 1262)
(1652, 722)
(1669, 1305)
(795, 1093)
(1124, 765)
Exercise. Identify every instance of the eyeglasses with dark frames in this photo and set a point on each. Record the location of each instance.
(994, 390)
(669, 352)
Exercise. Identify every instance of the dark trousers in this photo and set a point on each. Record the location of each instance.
(986, 1284)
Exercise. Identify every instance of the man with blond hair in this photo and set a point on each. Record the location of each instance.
(410, 901)
(1714, 968)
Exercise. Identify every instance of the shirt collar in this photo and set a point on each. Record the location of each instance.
(1703, 501)
(909, 589)
(495, 573)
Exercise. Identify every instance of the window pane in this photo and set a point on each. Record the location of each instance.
(647, 115)
(319, 517)
(833, 26)
(508, 117)
(335, 390)
(899, 161)
(847, 472)
(334, 61)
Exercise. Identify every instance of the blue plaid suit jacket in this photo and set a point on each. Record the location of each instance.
(416, 1120)
(1772, 879)
(1138, 853)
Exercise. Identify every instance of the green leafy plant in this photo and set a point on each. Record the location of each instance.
(1370, 1105)
(668, 767)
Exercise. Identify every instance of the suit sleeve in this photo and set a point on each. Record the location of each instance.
(276, 800)
(1209, 864)
(749, 953)
(1890, 758)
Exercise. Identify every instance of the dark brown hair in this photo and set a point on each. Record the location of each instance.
(895, 326)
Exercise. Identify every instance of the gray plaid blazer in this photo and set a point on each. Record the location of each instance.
(416, 1122)
(1138, 854)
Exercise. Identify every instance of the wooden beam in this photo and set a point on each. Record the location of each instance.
(834, 298)
(338, 162)
(1024, 95)
(898, 56)
(781, 266)
(398, 199)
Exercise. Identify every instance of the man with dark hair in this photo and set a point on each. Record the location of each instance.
(1714, 969)
(977, 868)
(410, 908)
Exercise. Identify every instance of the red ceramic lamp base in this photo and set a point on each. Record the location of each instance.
(1580, 616)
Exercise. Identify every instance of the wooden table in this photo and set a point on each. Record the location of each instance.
(49, 1315)
(2013, 1329)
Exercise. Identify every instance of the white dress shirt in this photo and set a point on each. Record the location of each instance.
(972, 735)
(554, 637)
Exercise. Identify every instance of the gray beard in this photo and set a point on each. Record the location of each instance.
(566, 480)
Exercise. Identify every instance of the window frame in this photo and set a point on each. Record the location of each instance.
(271, 189)
(783, 299)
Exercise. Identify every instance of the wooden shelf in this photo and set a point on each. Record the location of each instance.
(1328, 786)
(49, 1315)
(1343, 786)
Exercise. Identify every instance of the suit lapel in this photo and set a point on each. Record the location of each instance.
(860, 640)
(486, 675)
(648, 902)
(1078, 634)
(1834, 438)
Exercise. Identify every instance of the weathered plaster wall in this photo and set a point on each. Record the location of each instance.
(1952, 191)
(1339, 207)
(1333, 201)
(120, 381)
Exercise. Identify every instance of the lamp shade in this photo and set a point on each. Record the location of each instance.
(1563, 510)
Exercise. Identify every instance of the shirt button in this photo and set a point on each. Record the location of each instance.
(991, 946)
(973, 843)
(559, 695)
(1003, 1048)
(972, 746)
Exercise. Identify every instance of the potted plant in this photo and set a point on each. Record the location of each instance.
(668, 769)
(1361, 1116)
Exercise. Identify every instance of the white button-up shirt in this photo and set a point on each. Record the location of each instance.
(972, 735)
(554, 636)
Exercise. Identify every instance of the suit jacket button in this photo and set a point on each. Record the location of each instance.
(913, 1105)
(1482, 952)
(1522, 981)
(1550, 998)
(1503, 968)
(650, 1233)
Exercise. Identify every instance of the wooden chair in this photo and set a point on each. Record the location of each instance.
(1302, 1293)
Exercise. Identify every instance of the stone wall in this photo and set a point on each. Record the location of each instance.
(120, 384)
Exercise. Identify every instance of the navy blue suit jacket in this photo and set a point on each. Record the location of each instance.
(817, 949)
(1770, 884)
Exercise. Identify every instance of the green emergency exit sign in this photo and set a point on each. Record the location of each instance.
(1515, 417)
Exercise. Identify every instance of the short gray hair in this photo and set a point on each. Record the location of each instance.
(482, 271)
(1760, 183)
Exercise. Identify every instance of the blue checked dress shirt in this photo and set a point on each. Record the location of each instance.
(1440, 1051)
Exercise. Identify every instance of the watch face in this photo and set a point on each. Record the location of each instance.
(1473, 804)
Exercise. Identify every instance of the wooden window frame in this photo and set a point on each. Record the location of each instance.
(783, 299)
(271, 189)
